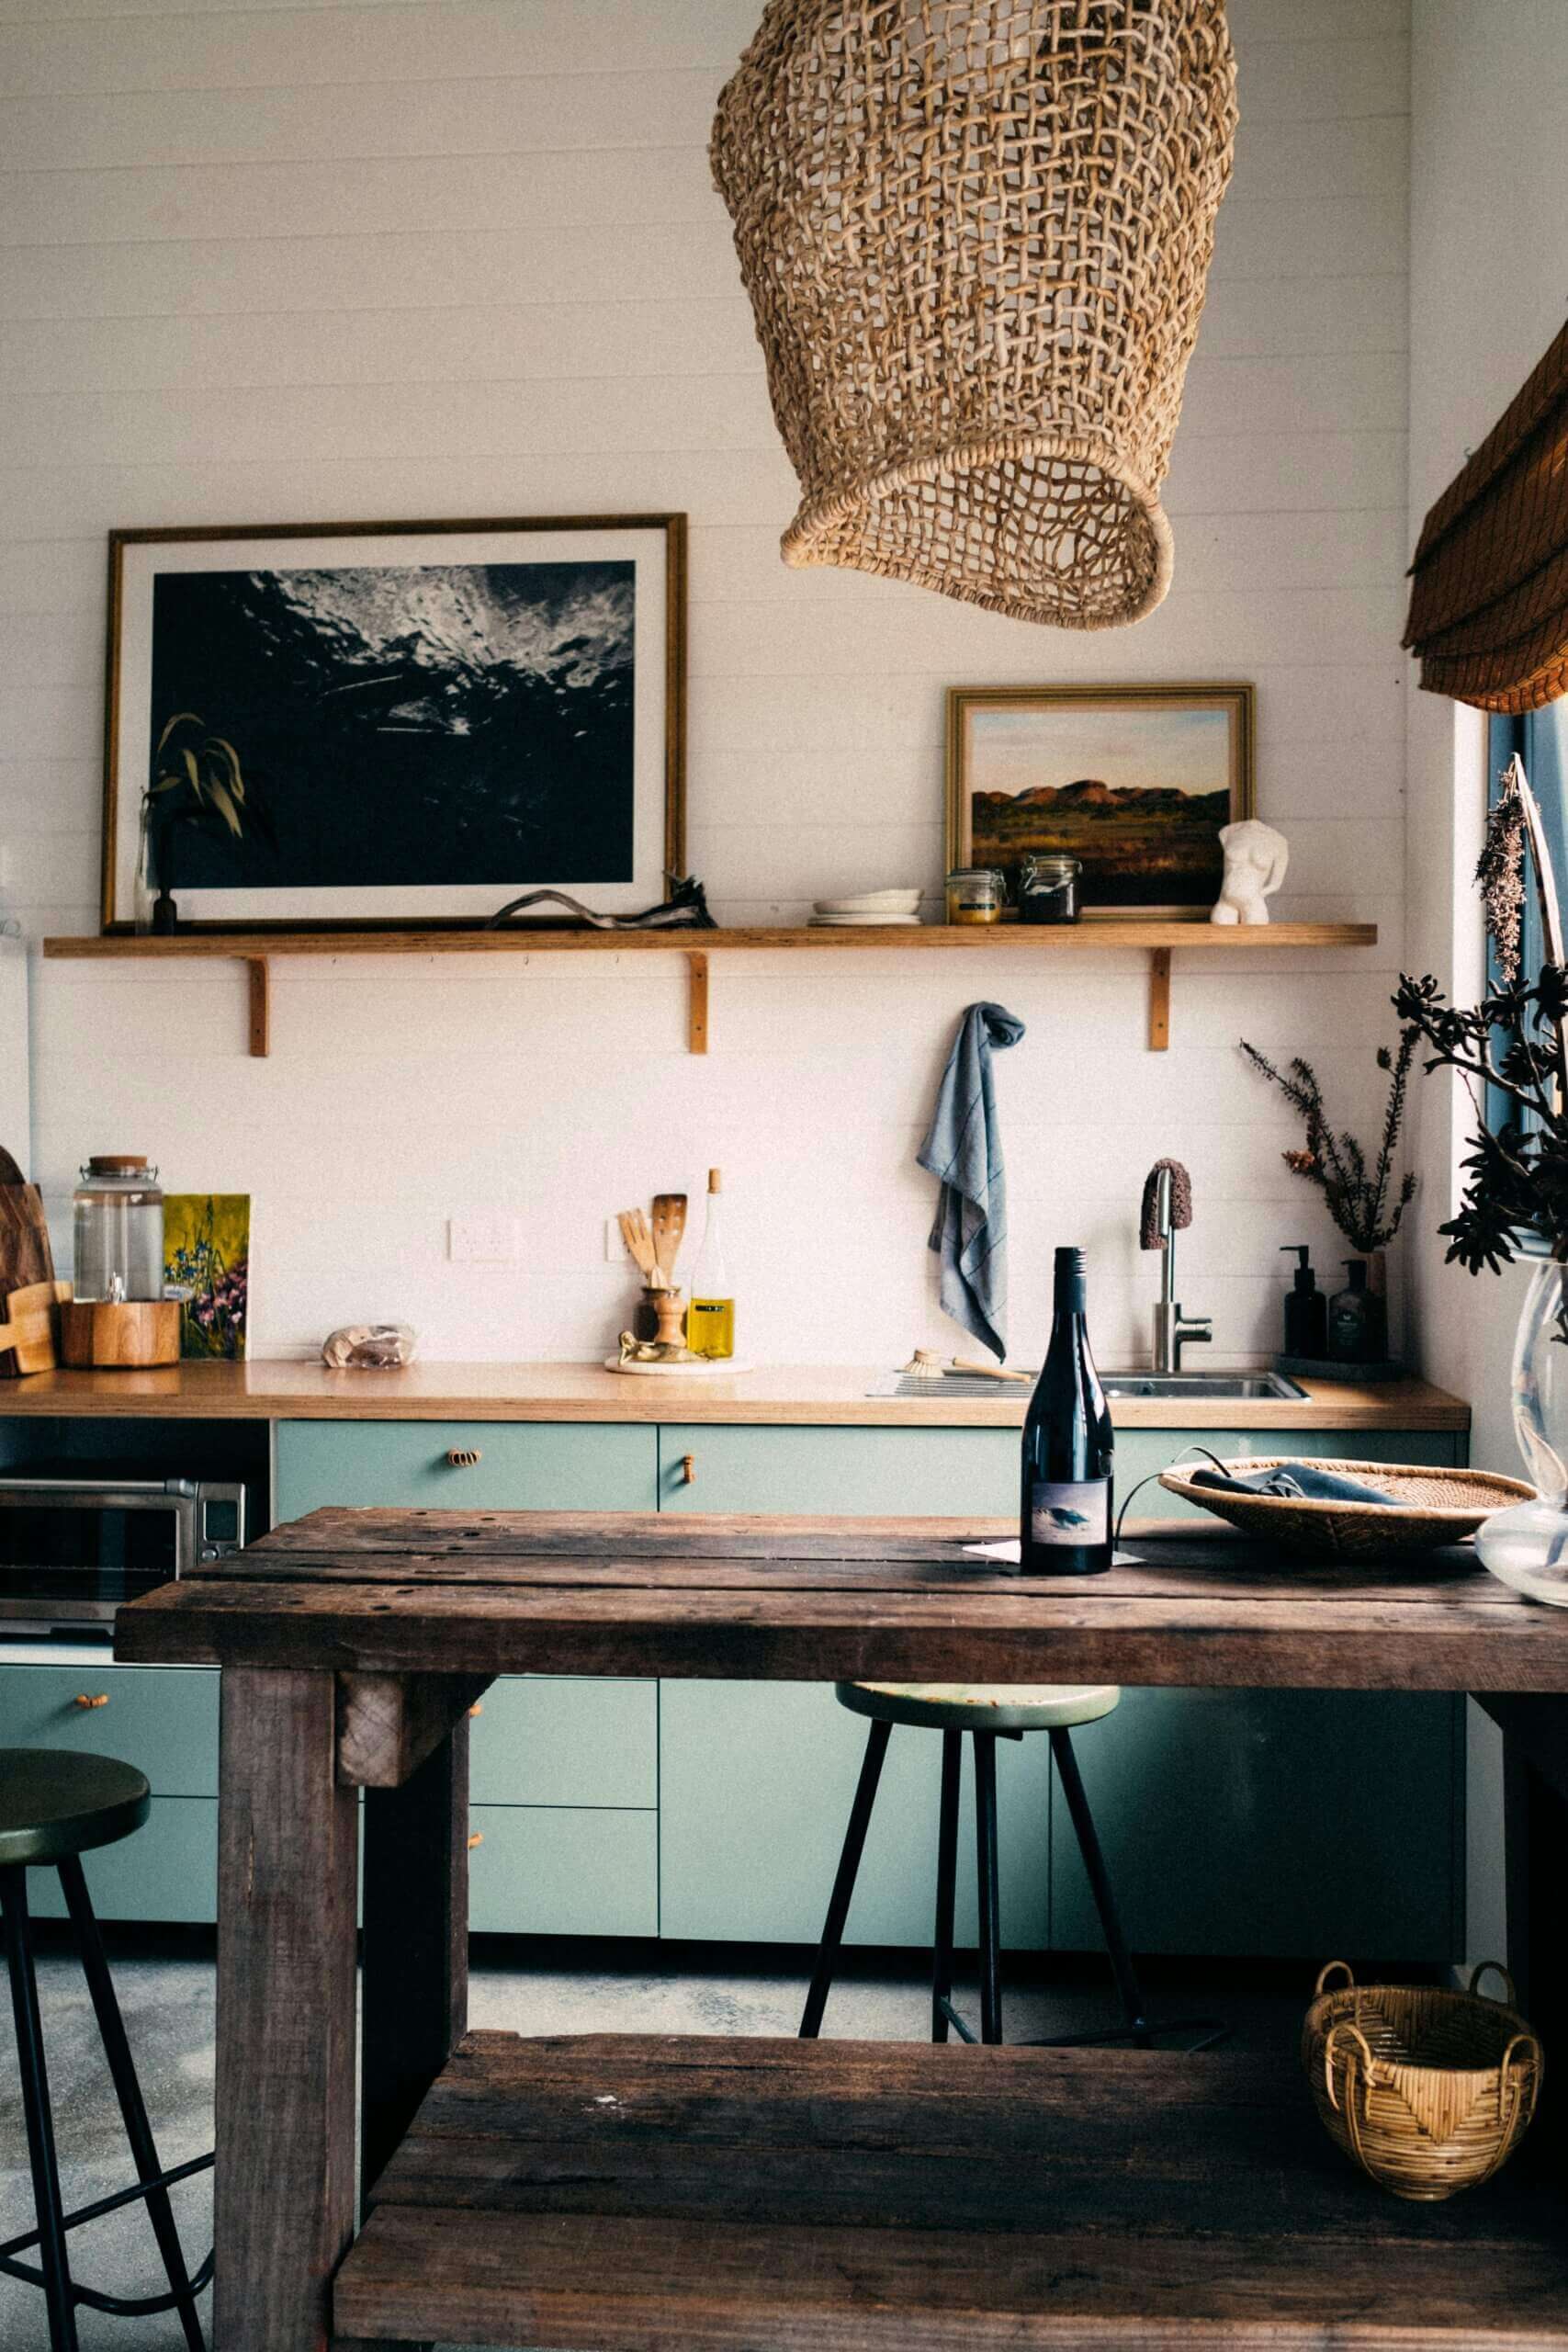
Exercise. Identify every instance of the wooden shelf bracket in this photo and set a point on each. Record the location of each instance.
(1159, 999)
(697, 1005)
(259, 975)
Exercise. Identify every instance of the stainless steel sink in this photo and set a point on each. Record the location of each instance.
(1221, 1387)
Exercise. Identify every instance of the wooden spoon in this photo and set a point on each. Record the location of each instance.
(639, 1241)
(668, 1225)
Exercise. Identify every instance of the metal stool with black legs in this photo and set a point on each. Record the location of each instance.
(54, 1807)
(988, 1712)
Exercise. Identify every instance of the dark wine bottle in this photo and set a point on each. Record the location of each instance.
(1067, 1443)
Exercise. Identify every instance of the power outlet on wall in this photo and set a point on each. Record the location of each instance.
(615, 1250)
(483, 1238)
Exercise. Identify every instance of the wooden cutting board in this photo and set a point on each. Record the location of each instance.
(25, 1255)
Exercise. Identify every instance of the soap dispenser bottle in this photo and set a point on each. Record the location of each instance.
(1358, 1319)
(1306, 1309)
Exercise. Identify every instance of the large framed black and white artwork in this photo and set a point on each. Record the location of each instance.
(400, 725)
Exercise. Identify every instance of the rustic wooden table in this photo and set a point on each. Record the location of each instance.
(626, 2194)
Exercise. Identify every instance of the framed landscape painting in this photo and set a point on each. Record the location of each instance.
(1136, 781)
(394, 724)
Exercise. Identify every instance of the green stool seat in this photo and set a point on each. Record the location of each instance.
(981, 1706)
(55, 1803)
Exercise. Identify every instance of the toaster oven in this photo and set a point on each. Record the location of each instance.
(76, 1541)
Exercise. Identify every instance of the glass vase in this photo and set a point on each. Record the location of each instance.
(1526, 1546)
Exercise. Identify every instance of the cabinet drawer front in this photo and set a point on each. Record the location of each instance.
(521, 1465)
(757, 1783)
(556, 1871)
(168, 1870)
(163, 1719)
(873, 1473)
(583, 1742)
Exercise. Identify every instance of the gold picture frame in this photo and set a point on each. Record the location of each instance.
(1035, 748)
(650, 748)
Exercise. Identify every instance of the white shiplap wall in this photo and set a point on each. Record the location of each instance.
(328, 261)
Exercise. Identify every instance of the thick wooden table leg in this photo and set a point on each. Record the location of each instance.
(287, 1877)
(415, 1995)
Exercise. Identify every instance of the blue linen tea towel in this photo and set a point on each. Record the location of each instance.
(964, 1150)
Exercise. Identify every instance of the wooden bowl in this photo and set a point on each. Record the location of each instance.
(120, 1336)
(1431, 1507)
(1428, 2091)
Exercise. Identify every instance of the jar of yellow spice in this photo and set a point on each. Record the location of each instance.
(976, 893)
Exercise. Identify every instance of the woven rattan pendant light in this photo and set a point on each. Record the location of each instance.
(975, 235)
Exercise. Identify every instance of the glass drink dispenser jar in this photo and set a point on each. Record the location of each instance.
(119, 1229)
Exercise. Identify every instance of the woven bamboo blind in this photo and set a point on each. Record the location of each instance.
(1489, 608)
(976, 235)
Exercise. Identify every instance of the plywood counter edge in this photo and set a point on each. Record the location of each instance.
(798, 1396)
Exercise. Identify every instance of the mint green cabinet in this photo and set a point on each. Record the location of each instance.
(563, 1871)
(533, 1465)
(168, 1870)
(567, 1740)
(163, 1719)
(1237, 1820)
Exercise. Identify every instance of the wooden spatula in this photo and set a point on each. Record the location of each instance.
(668, 1225)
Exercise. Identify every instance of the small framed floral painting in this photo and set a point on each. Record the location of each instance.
(393, 725)
(1133, 781)
(207, 1260)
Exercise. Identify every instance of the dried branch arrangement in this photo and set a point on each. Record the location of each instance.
(1512, 1042)
(1366, 1202)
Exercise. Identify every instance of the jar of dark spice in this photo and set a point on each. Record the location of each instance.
(1048, 889)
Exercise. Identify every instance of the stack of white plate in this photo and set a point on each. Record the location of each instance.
(897, 909)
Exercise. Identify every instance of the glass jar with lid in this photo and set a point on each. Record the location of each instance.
(119, 1229)
(1048, 888)
(976, 893)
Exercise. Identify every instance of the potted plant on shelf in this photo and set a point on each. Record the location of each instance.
(1515, 1202)
(197, 788)
(1364, 1197)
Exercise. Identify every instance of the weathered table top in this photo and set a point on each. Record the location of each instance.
(820, 1599)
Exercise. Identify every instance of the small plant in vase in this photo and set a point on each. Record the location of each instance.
(1515, 1202)
(1365, 1198)
(198, 787)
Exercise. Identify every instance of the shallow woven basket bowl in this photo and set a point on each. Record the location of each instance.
(1433, 1507)
(1429, 2092)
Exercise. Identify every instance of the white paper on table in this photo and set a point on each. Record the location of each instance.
(1009, 1551)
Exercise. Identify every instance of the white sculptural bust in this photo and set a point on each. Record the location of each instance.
(1256, 859)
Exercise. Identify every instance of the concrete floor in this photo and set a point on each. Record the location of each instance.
(166, 1992)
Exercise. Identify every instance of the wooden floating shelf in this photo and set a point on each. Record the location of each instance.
(1159, 941)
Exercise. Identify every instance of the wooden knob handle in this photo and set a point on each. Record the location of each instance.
(478, 1708)
(476, 1839)
(82, 1699)
(462, 1457)
(688, 1469)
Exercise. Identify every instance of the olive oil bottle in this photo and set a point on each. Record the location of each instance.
(710, 1318)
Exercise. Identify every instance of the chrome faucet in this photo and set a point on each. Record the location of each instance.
(1166, 1210)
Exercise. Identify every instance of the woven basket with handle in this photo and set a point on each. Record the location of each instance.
(976, 235)
(1429, 1508)
(1428, 2091)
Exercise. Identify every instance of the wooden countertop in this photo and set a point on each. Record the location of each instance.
(772, 1396)
(780, 1394)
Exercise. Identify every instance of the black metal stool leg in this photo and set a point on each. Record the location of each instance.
(946, 1884)
(988, 1887)
(1127, 1984)
(137, 2131)
(844, 1884)
(36, 2109)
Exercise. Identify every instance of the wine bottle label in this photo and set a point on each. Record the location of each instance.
(1070, 1512)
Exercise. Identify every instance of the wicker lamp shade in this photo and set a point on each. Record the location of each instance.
(976, 235)
(1489, 604)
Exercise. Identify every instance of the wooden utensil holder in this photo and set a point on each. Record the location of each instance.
(120, 1335)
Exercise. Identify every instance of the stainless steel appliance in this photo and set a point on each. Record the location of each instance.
(78, 1538)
